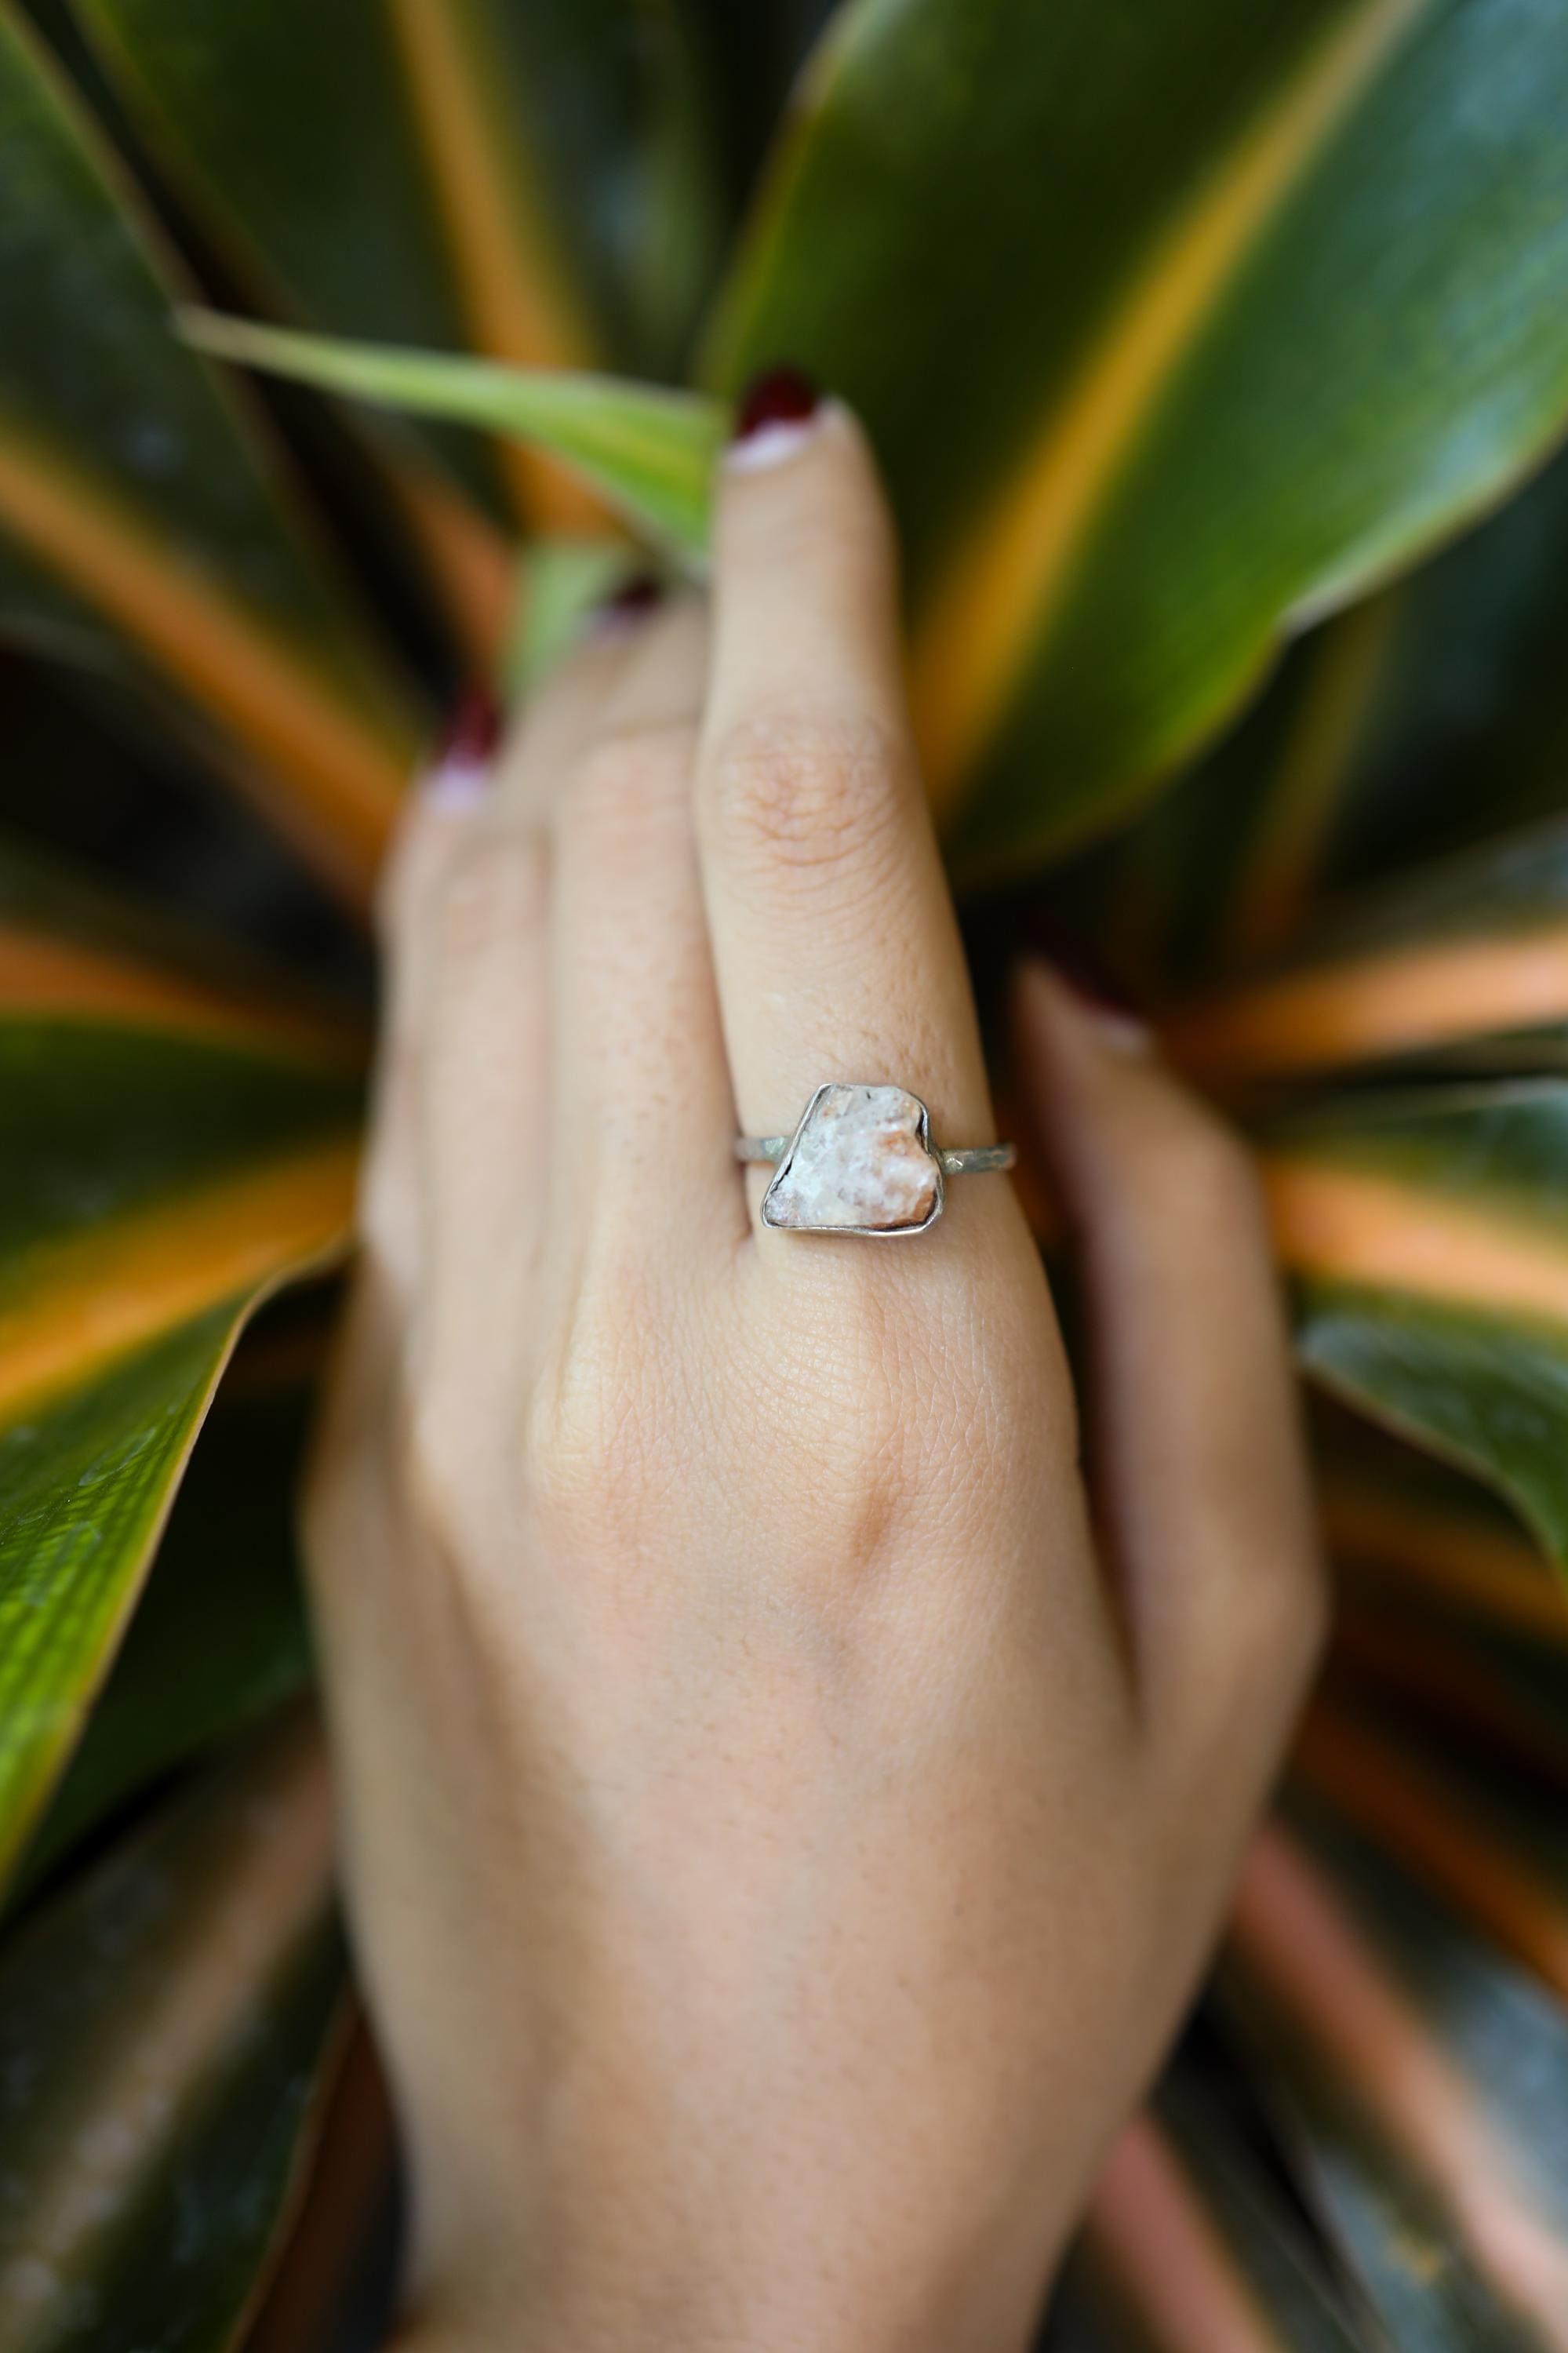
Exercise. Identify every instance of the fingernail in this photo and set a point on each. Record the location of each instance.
(778, 414)
(628, 605)
(1117, 1027)
(458, 777)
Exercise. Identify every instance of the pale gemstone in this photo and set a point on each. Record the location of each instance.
(858, 1159)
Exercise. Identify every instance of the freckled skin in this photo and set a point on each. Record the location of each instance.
(780, 1829)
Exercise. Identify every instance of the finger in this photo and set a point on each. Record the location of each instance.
(1200, 1466)
(644, 1097)
(437, 819)
(485, 1101)
(833, 934)
(485, 958)
(545, 744)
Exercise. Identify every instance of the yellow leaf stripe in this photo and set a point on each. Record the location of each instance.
(1311, 776)
(519, 307)
(1414, 1814)
(73, 1307)
(1346, 1225)
(474, 562)
(1163, 2252)
(1006, 584)
(1437, 1551)
(1396, 1000)
(1306, 1949)
(346, 772)
(40, 974)
(1446, 1673)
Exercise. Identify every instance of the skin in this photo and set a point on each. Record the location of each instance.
(788, 1799)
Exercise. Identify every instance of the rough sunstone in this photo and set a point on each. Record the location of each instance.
(860, 1157)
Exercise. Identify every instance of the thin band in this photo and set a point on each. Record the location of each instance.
(977, 1160)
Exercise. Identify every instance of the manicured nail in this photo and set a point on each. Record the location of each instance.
(459, 775)
(778, 412)
(628, 606)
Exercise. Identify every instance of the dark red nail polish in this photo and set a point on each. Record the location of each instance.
(1075, 960)
(643, 593)
(473, 730)
(780, 396)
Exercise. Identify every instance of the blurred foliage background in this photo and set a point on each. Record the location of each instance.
(1217, 357)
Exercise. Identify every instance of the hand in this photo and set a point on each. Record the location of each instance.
(784, 1816)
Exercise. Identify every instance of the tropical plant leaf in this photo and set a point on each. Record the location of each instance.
(562, 581)
(1139, 421)
(1433, 713)
(1185, 2246)
(1410, 1533)
(651, 451)
(1471, 951)
(141, 512)
(1427, 1235)
(71, 947)
(1483, 1834)
(335, 2284)
(219, 1637)
(534, 179)
(1447, 1607)
(156, 1184)
(753, 55)
(164, 2026)
(1422, 2079)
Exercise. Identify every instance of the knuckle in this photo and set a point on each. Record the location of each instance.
(804, 793)
(628, 782)
(436, 1451)
(594, 1448)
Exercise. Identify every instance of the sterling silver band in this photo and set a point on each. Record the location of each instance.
(971, 1160)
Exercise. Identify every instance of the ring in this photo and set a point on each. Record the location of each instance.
(862, 1161)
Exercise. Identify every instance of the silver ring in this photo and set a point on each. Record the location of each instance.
(861, 1161)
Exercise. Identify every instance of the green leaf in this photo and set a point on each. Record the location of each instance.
(563, 580)
(156, 1184)
(1445, 1601)
(219, 1637)
(650, 451)
(1172, 330)
(754, 55)
(1466, 960)
(1480, 1828)
(1432, 714)
(1423, 2081)
(1429, 1236)
(142, 514)
(529, 177)
(1501, 1688)
(1414, 1530)
(165, 2026)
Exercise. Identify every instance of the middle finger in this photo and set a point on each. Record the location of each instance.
(834, 940)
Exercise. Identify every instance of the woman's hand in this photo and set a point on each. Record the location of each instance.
(785, 1811)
